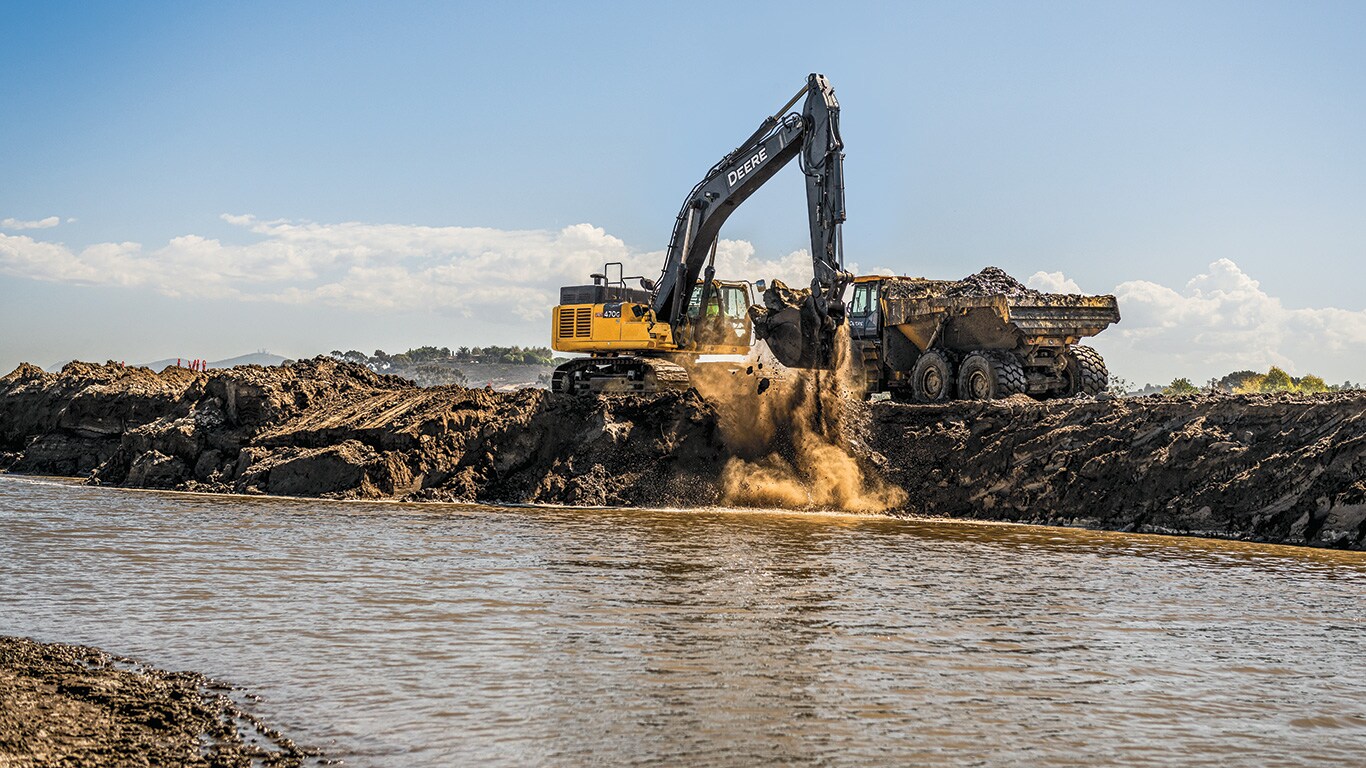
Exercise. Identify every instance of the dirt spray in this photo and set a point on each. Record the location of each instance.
(789, 440)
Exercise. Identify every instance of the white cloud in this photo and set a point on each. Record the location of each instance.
(1222, 321)
(1052, 282)
(739, 259)
(47, 223)
(374, 267)
(356, 266)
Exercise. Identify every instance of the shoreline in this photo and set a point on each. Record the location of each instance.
(1278, 469)
(81, 706)
(1154, 534)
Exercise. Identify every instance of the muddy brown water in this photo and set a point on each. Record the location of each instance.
(400, 634)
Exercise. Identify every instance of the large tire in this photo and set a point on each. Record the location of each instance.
(870, 367)
(1086, 373)
(932, 379)
(990, 376)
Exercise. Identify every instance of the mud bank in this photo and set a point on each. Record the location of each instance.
(326, 428)
(72, 705)
(1271, 467)
(1277, 468)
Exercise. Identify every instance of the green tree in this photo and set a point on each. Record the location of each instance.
(1277, 380)
(1181, 386)
(1311, 383)
(1241, 381)
(428, 354)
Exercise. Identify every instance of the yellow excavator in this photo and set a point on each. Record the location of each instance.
(645, 339)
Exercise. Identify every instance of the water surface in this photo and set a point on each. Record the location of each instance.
(401, 634)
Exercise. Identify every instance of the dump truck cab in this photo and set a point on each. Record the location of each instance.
(865, 308)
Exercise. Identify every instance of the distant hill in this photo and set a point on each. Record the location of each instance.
(255, 358)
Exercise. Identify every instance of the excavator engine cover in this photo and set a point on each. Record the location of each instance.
(797, 331)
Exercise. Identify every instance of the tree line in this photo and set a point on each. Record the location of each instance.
(514, 355)
(1276, 379)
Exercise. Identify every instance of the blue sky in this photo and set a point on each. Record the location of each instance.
(311, 176)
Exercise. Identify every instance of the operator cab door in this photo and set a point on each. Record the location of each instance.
(864, 312)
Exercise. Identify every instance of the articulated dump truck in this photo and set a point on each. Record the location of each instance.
(981, 338)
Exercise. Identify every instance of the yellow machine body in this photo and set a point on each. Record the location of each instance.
(628, 327)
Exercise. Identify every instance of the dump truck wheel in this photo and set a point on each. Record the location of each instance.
(990, 376)
(932, 379)
(1086, 371)
(870, 367)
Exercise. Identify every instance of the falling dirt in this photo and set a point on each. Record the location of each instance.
(791, 443)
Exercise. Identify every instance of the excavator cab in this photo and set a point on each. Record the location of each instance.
(721, 319)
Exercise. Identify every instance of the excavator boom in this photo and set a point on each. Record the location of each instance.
(811, 136)
(639, 340)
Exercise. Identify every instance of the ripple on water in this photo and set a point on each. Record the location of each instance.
(426, 634)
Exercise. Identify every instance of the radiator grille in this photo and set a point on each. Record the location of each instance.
(576, 322)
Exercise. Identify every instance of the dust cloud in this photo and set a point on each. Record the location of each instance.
(789, 437)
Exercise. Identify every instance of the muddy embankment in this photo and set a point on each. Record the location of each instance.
(1271, 467)
(71, 705)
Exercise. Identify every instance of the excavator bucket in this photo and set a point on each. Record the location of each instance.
(795, 329)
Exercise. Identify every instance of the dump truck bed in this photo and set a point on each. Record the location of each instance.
(999, 321)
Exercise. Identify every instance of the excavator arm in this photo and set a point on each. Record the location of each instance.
(812, 136)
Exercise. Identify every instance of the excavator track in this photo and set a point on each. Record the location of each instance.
(619, 374)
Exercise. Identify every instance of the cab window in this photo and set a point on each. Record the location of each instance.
(862, 304)
(729, 300)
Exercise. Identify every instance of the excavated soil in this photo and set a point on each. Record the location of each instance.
(1275, 468)
(326, 428)
(991, 281)
(1279, 468)
(76, 706)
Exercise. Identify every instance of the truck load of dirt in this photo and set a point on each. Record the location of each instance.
(990, 281)
(72, 705)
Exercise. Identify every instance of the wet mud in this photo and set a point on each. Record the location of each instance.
(76, 706)
(1277, 468)
(332, 429)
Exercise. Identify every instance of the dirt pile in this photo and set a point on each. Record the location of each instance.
(70, 423)
(76, 706)
(990, 281)
(326, 428)
(1281, 468)
(1269, 467)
